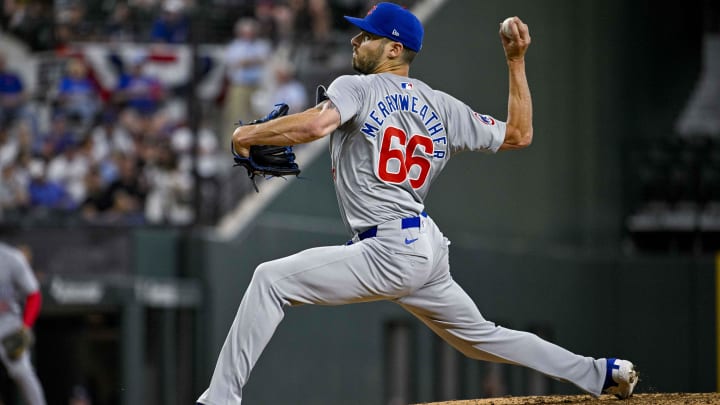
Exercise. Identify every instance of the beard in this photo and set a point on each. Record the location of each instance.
(367, 63)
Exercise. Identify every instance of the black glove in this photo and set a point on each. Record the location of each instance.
(17, 342)
(268, 160)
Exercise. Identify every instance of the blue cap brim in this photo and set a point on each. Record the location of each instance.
(363, 25)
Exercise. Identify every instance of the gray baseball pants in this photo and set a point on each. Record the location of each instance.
(23, 373)
(408, 266)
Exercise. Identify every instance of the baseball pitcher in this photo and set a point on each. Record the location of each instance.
(391, 136)
(17, 282)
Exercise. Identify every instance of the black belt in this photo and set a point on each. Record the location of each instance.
(410, 222)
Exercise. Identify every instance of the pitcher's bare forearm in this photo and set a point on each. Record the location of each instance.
(307, 126)
(519, 131)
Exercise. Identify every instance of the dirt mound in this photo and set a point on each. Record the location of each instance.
(644, 399)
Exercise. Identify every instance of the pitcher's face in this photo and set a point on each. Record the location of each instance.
(367, 52)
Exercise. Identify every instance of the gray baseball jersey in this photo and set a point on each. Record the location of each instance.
(16, 282)
(395, 137)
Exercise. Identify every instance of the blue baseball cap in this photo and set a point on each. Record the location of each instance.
(392, 21)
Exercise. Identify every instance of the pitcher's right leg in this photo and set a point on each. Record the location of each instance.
(332, 275)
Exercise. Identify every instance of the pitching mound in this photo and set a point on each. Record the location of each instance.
(644, 399)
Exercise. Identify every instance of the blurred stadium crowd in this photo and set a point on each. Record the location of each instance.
(118, 112)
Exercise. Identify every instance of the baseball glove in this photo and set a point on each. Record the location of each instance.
(268, 160)
(17, 342)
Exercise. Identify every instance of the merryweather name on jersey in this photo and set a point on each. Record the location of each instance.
(398, 102)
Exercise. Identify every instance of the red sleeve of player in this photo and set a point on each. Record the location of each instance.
(32, 308)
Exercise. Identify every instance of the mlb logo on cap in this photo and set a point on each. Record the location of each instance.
(391, 21)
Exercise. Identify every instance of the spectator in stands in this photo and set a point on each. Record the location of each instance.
(246, 58)
(13, 95)
(110, 136)
(97, 198)
(14, 150)
(14, 142)
(139, 96)
(122, 202)
(46, 194)
(126, 210)
(73, 15)
(13, 179)
(8, 146)
(207, 156)
(32, 23)
(13, 190)
(24, 137)
(207, 153)
(22, 168)
(284, 89)
(129, 190)
(311, 21)
(54, 142)
(69, 169)
(276, 21)
(169, 200)
(123, 208)
(172, 26)
(62, 39)
(269, 17)
(119, 27)
(139, 91)
(77, 97)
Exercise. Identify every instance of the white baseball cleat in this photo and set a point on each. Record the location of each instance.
(621, 378)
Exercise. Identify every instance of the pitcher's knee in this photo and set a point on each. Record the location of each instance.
(265, 275)
(264, 283)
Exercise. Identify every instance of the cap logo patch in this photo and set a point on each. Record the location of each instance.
(395, 32)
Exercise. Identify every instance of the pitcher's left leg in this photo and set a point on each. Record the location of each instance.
(451, 313)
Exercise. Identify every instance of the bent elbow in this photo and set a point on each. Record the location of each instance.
(526, 139)
(517, 139)
(238, 136)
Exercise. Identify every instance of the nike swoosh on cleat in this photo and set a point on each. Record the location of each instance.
(409, 241)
